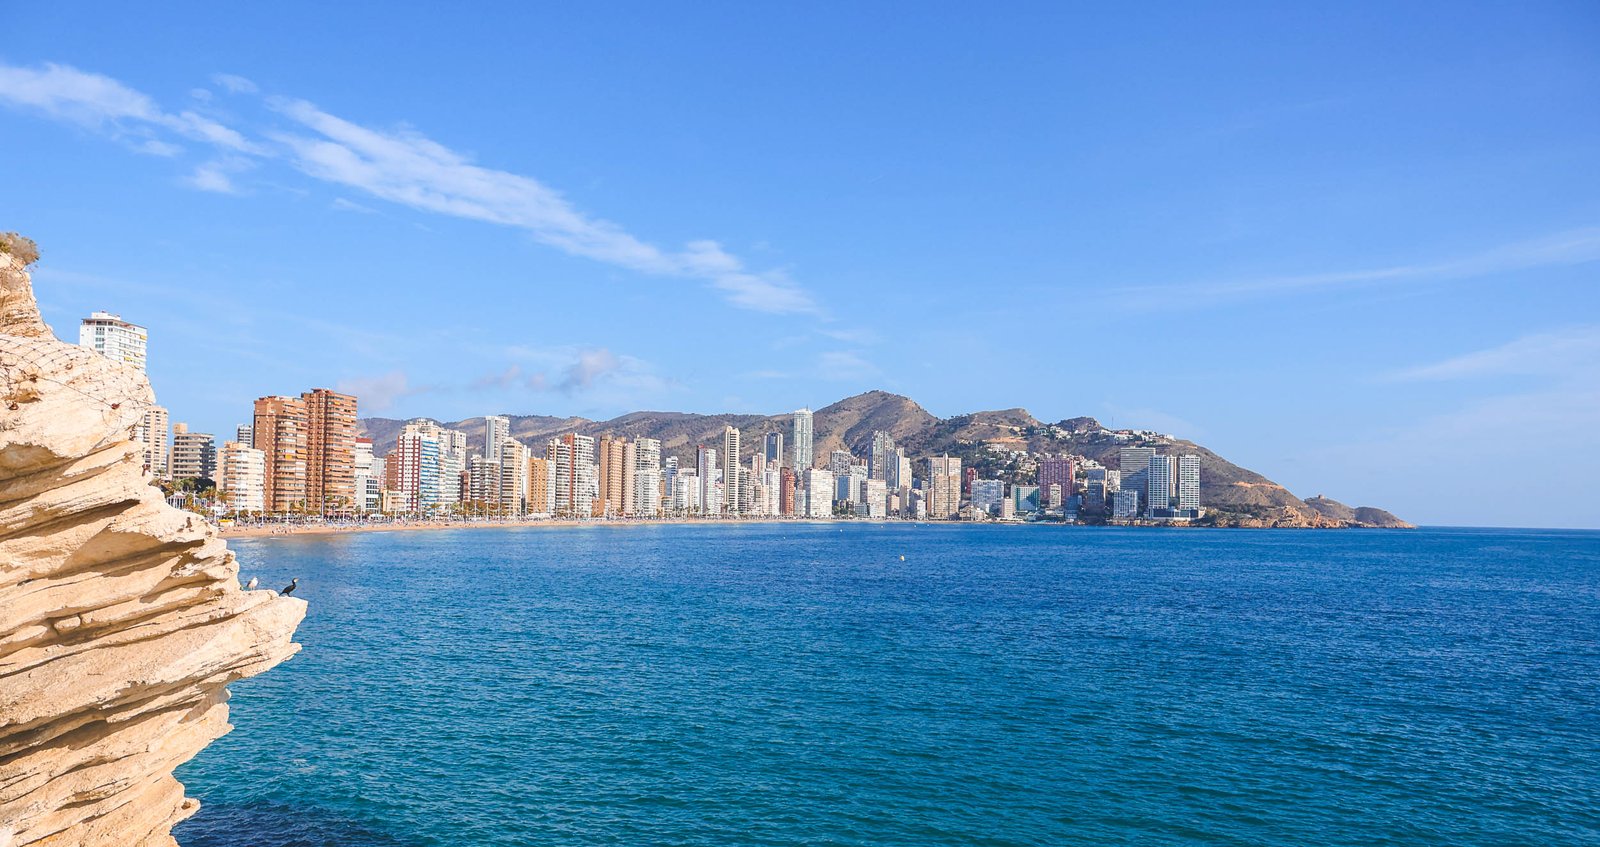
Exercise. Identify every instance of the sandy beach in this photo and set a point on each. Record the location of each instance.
(264, 530)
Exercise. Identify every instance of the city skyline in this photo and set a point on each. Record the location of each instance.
(1359, 279)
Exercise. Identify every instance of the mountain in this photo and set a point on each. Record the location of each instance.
(1367, 516)
(998, 443)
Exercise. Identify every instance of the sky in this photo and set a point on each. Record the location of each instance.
(1355, 247)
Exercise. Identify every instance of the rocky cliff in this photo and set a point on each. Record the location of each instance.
(121, 618)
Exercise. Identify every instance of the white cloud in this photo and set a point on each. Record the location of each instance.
(106, 105)
(211, 177)
(406, 167)
(401, 166)
(234, 84)
(1566, 352)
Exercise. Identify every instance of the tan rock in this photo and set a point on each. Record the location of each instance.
(121, 618)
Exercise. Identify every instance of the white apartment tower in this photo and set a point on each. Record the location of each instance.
(1160, 483)
(732, 482)
(1189, 482)
(496, 429)
(647, 477)
(802, 440)
(114, 338)
(242, 476)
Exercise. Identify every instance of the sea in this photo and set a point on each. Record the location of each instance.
(857, 683)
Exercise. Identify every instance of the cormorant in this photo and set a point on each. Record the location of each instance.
(289, 589)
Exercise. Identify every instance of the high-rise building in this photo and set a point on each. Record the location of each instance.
(194, 454)
(944, 488)
(496, 429)
(429, 466)
(839, 461)
(242, 477)
(786, 491)
(1057, 471)
(1161, 483)
(1188, 483)
(707, 473)
(244, 434)
(1133, 462)
(880, 457)
(874, 499)
(280, 432)
(151, 431)
(801, 436)
(513, 494)
(1125, 504)
(369, 473)
(541, 487)
(986, 496)
(630, 478)
(772, 451)
(612, 453)
(577, 487)
(647, 477)
(330, 450)
(114, 338)
(732, 489)
(483, 483)
(819, 486)
(1025, 499)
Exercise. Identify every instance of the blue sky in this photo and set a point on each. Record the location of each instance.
(1354, 247)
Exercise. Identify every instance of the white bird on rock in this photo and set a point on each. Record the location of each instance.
(251, 585)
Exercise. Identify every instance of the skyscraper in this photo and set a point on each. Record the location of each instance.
(944, 487)
(647, 477)
(330, 450)
(496, 429)
(1132, 462)
(613, 459)
(513, 494)
(368, 478)
(1189, 483)
(572, 456)
(114, 338)
(880, 457)
(773, 449)
(280, 433)
(706, 468)
(414, 466)
(732, 481)
(802, 440)
(152, 431)
(1161, 483)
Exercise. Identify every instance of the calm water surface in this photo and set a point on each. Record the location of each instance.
(799, 684)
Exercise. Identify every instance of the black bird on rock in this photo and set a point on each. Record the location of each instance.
(289, 589)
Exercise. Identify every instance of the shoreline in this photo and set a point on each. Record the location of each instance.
(280, 530)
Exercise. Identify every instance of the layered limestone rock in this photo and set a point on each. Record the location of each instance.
(121, 618)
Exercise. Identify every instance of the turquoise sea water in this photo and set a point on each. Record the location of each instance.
(784, 684)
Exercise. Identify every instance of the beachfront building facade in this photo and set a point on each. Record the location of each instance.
(114, 338)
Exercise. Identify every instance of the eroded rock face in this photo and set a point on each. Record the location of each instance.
(121, 618)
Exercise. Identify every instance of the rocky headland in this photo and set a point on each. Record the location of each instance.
(121, 618)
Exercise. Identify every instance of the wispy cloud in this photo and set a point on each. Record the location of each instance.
(1570, 247)
(234, 84)
(398, 165)
(1567, 352)
(406, 167)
